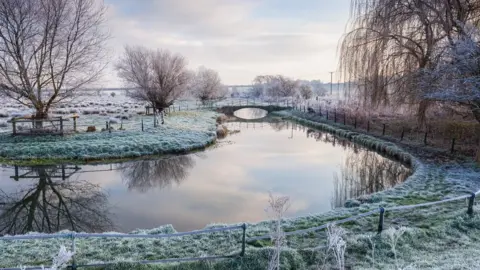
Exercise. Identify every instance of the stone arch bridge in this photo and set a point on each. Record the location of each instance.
(229, 110)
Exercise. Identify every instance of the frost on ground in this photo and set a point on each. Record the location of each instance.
(434, 237)
(183, 131)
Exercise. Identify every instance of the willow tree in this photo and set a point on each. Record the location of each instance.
(49, 49)
(390, 40)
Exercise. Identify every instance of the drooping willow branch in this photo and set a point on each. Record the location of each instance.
(388, 41)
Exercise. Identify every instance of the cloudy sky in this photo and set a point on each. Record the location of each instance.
(238, 38)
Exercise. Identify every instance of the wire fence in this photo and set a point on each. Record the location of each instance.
(429, 136)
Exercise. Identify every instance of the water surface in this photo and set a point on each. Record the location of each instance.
(227, 183)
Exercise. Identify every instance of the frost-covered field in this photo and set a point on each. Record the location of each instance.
(183, 131)
(103, 105)
(437, 237)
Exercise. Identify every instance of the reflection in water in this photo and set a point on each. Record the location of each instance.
(363, 172)
(250, 113)
(227, 184)
(147, 174)
(48, 204)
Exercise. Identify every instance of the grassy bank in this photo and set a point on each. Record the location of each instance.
(182, 132)
(430, 230)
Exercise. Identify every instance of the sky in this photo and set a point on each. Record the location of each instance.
(239, 38)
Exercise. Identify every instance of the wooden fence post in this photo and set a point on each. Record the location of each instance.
(244, 227)
(142, 123)
(403, 134)
(344, 118)
(61, 124)
(14, 127)
(380, 220)
(452, 149)
(383, 131)
(425, 138)
(471, 201)
(368, 126)
(355, 123)
(335, 115)
(327, 114)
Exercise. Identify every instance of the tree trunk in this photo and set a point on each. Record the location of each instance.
(161, 115)
(476, 112)
(40, 114)
(477, 156)
(422, 112)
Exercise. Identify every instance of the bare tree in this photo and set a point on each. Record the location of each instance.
(159, 76)
(259, 85)
(274, 86)
(207, 85)
(306, 91)
(49, 49)
(282, 86)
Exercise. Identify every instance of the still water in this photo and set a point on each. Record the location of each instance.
(227, 183)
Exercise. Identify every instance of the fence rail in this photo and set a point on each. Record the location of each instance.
(73, 236)
(380, 210)
(287, 103)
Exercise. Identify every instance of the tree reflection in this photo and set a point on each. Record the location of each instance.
(51, 203)
(147, 174)
(366, 172)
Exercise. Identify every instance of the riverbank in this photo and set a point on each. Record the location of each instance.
(429, 229)
(182, 132)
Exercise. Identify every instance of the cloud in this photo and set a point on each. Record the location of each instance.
(239, 38)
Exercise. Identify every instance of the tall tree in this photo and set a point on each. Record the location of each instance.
(49, 49)
(158, 76)
(390, 40)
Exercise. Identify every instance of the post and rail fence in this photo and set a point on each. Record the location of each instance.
(381, 211)
(73, 236)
